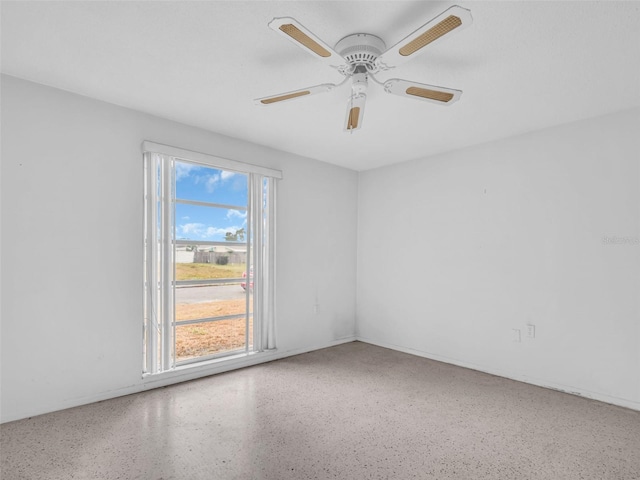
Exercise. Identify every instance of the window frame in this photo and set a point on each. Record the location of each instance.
(159, 325)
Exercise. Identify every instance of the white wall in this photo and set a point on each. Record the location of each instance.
(454, 252)
(457, 250)
(72, 184)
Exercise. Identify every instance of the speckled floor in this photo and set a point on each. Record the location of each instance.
(354, 411)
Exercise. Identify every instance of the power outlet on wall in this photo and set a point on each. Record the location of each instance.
(316, 308)
(515, 335)
(531, 331)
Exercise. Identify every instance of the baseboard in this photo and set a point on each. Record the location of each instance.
(571, 390)
(174, 377)
(184, 375)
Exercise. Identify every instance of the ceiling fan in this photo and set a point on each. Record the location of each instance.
(360, 56)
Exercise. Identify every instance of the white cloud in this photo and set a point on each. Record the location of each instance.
(236, 213)
(192, 228)
(183, 170)
(205, 232)
(211, 182)
(185, 218)
(213, 231)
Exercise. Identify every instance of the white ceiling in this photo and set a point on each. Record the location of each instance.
(522, 66)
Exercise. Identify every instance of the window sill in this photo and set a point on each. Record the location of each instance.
(209, 367)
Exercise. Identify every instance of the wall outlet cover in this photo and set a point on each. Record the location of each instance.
(531, 331)
(516, 335)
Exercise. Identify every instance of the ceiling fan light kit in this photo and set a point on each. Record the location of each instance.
(360, 56)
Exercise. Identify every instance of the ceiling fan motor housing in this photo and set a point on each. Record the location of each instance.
(361, 49)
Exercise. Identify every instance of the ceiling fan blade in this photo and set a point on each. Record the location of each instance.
(303, 92)
(298, 34)
(452, 20)
(355, 113)
(421, 91)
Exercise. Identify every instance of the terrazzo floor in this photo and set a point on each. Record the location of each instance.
(354, 411)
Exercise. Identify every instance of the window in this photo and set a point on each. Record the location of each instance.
(209, 258)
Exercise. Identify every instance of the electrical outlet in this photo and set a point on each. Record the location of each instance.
(316, 308)
(531, 331)
(515, 335)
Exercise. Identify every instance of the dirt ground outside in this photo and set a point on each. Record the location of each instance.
(209, 338)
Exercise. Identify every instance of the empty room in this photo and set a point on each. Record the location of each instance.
(300, 240)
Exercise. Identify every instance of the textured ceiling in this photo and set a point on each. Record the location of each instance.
(522, 66)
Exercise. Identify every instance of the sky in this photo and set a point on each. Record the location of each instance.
(205, 184)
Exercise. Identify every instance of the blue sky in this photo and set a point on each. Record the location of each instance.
(195, 182)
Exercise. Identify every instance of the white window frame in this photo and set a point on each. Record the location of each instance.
(159, 249)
